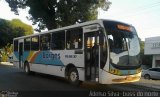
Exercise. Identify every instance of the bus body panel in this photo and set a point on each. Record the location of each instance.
(53, 62)
(108, 78)
(47, 69)
(16, 60)
(41, 68)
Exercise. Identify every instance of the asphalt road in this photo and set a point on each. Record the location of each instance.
(13, 81)
(16, 83)
(12, 78)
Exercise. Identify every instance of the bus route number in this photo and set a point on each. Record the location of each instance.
(70, 56)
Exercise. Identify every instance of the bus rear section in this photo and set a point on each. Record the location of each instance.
(122, 64)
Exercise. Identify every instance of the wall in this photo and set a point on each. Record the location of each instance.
(152, 47)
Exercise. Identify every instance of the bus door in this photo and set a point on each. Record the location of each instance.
(91, 48)
(20, 49)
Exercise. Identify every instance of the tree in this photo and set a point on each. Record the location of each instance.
(19, 26)
(5, 52)
(12, 29)
(58, 13)
(145, 59)
(8, 31)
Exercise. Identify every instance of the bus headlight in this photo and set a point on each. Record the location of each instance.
(115, 71)
(138, 70)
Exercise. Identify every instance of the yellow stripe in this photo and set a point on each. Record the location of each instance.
(34, 56)
(30, 55)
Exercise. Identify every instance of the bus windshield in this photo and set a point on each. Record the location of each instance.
(123, 43)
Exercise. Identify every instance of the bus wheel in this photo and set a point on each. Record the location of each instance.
(73, 77)
(27, 68)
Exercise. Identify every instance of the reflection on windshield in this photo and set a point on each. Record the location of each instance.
(134, 51)
(124, 48)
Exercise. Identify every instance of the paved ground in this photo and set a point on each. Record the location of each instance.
(13, 81)
(149, 83)
(16, 81)
(143, 82)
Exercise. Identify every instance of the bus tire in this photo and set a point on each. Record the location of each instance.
(27, 68)
(73, 77)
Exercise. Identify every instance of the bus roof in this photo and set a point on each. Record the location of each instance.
(99, 21)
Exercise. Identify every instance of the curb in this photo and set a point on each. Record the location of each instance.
(6, 63)
(147, 87)
(148, 84)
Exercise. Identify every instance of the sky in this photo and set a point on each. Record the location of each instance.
(7, 14)
(142, 14)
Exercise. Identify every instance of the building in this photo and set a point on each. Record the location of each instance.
(152, 47)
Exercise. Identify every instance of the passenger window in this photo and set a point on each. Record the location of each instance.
(15, 45)
(45, 41)
(74, 38)
(27, 44)
(35, 43)
(118, 43)
(58, 40)
(103, 50)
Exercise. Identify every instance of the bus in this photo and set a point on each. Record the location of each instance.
(101, 51)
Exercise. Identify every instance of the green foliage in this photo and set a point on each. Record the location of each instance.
(8, 31)
(18, 25)
(58, 13)
(4, 58)
(5, 52)
(4, 32)
(12, 29)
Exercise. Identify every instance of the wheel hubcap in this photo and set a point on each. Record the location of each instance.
(26, 69)
(73, 76)
(147, 77)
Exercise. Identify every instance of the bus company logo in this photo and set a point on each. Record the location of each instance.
(49, 55)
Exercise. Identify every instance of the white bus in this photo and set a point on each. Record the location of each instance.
(103, 51)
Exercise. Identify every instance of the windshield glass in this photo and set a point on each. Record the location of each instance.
(124, 44)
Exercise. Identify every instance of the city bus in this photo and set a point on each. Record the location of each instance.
(101, 51)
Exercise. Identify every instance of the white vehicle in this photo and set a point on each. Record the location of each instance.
(102, 51)
(151, 73)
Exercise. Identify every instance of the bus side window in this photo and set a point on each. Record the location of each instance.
(103, 50)
(110, 41)
(117, 43)
(16, 45)
(74, 38)
(35, 43)
(58, 41)
(27, 44)
(45, 41)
